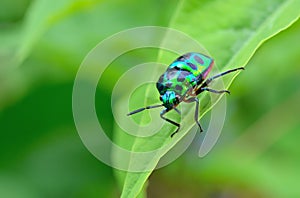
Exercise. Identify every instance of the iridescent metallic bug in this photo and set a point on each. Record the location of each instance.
(183, 80)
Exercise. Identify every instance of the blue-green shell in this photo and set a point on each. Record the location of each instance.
(185, 73)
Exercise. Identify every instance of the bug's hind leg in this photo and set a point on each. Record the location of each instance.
(196, 100)
(170, 121)
(206, 83)
(211, 90)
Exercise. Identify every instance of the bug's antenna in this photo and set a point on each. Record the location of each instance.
(144, 108)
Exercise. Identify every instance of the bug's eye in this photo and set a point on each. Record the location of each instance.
(160, 97)
(176, 100)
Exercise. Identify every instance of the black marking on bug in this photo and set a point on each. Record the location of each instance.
(168, 84)
(159, 86)
(182, 76)
(180, 79)
(161, 79)
(199, 60)
(178, 88)
(194, 67)
(187, 56)
(181, 58)
(172, 73)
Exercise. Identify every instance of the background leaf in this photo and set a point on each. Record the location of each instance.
(44, 42)
(231, 39)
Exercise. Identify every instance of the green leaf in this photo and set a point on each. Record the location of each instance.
(231, 31)
(42, 15)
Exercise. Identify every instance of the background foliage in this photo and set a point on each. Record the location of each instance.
(42, 45)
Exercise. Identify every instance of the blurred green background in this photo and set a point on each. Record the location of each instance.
(42, 44)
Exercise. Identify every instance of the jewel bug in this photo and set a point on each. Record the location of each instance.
(184, 79)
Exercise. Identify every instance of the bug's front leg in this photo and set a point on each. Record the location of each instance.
(170, 121)
(144, 108)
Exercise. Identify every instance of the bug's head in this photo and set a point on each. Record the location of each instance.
(170, 99)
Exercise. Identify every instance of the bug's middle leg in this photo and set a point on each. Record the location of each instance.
(162, 113)
(196, 100)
